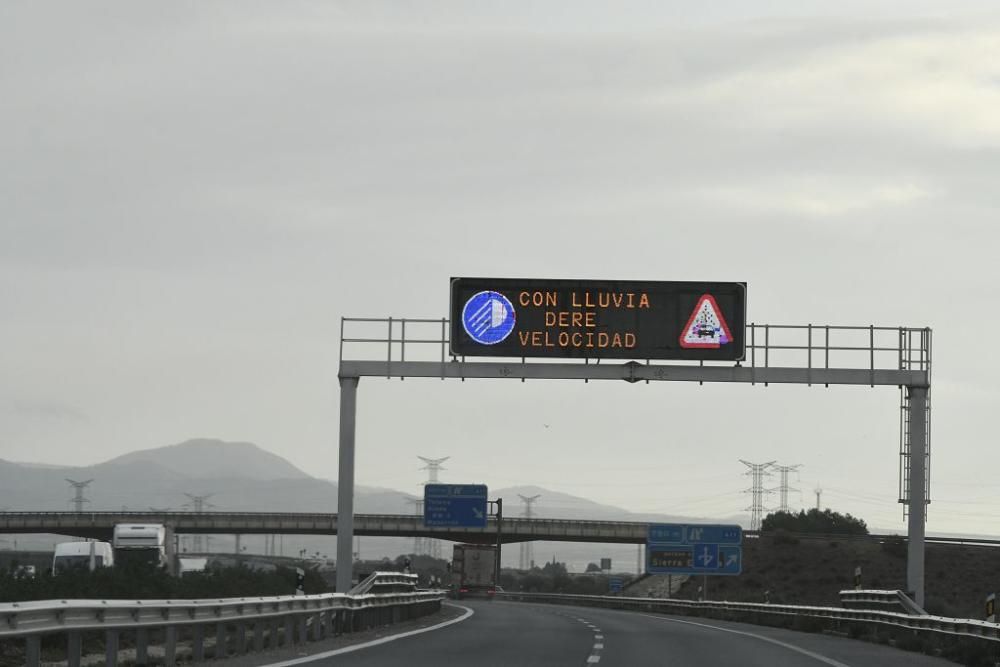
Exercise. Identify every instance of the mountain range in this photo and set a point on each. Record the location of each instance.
(244, 477)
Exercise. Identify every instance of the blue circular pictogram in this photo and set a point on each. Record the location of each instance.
(488, 317)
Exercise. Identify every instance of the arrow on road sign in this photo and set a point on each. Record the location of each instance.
(706, 557)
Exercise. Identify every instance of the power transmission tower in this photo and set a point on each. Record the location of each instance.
(783, 488)
(527, 554)
(78, 500)
(433, 467)
(198, 505)
(757, 472)
(419, 543)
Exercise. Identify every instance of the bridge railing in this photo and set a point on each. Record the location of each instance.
(239, 625)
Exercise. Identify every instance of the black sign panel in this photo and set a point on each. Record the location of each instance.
(609, 319)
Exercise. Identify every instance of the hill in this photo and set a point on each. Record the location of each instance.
(215, 458)
(241, 476)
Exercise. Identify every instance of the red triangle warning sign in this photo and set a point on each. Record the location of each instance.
(706, 327)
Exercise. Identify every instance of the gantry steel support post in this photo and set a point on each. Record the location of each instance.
(345, 483)
(918, 500)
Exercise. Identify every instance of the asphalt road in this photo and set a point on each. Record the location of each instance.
(514, 634)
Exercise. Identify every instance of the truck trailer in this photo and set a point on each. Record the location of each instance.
(140, 543)
(473, 570)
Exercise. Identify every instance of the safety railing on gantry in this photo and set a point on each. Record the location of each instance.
(808, 346)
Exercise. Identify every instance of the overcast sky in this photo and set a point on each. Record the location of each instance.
(193, 194)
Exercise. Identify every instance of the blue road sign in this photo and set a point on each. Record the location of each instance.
(691, 559)
(615, 585)
(488, 317)
(682, 548)
(693, 533)
(455, 505)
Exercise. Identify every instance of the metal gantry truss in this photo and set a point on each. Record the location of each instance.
(788, 354)
(917, 356)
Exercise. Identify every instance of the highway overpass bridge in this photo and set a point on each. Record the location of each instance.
(101, 525)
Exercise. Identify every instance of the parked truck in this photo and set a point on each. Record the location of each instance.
(140, 543)
(473, 570)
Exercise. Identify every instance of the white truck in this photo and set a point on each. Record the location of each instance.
(82, 556)
(473, 570)
(140, 543)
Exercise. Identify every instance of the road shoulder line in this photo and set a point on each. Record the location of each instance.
(375, 642)
(791, 647)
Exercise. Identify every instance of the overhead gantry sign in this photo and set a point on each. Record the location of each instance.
(569, 329)
(598, 319)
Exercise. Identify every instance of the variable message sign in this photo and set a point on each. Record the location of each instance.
(455, 505)
(613, 319)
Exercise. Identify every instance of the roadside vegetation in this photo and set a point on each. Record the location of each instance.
(149, 583)
(826, 522)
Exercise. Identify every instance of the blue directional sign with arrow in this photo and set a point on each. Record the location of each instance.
(693, 533)
(673, 548)
(455, 505)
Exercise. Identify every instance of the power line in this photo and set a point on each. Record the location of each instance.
(433, 467)
(198, 505)
(78, 500)
(757, 472)
(783, 488)
(527, 553)
(419, 543)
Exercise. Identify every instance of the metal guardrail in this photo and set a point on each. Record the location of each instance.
(272, 621)
(749, 611)
(881, 600)
(385, 582)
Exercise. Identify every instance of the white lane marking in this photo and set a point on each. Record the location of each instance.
(598, 636)
(374, 642)
(790, 647)
(598, 647)
(594, 658)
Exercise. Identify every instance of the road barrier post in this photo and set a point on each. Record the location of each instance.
(33, 650)
(170, 645)
(141, 646)
(74, 649)
(198, 643)
(221, 638)
(111, 648)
